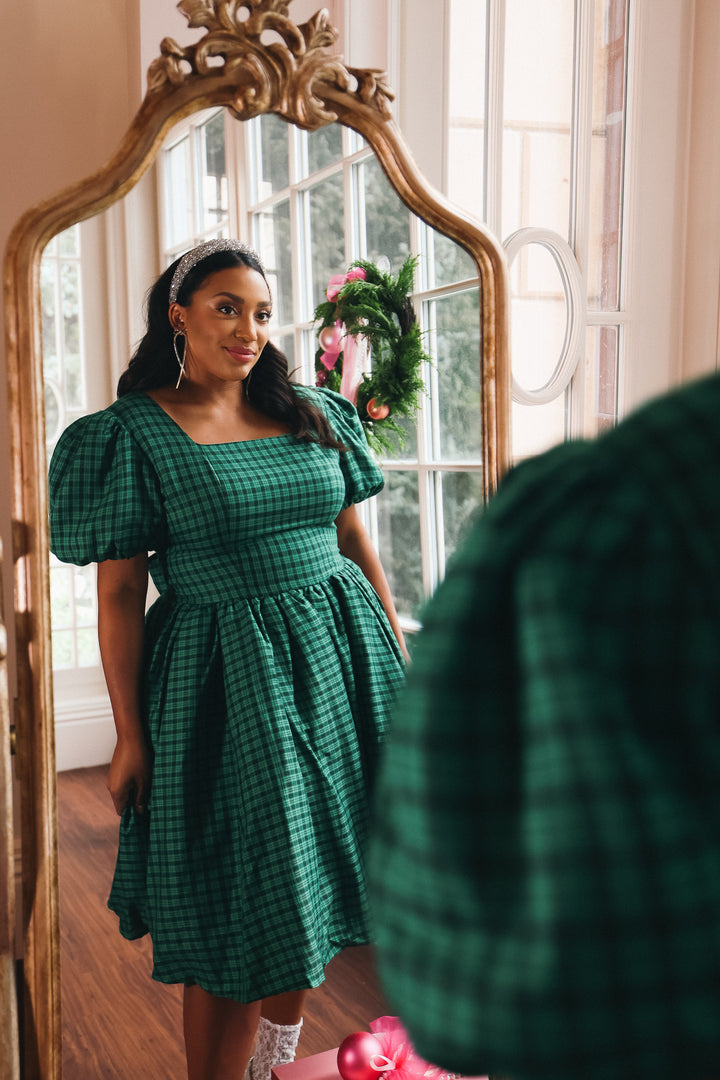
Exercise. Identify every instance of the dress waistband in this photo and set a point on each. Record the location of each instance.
(269, 565)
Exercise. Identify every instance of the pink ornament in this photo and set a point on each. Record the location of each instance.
(326, 338)
(355, 1055)
(375, 411)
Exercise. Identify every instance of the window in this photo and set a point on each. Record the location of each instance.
(194, 184)
(318, 201)
(72, 588)
(535, 130)
(537, 104)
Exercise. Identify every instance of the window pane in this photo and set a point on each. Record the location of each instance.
(61, 596)
(87, 648)
(537, 427)
(457, 322)
(213, 180)
(538, 109)
(48, 286)
(601, 378)
(402, 449)
(387, 220)
(286, 345)
(62, 649)
(69, 242)
(85, 596)
(466, 89)
(327, 234)
(607, 155)
(273, 173)
(324, 146)
(399, 540)
(272, 240)
(70, 300)
(461, 494)
(447, 261)
(53, 413)
(178, 207)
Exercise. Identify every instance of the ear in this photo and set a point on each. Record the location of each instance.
(176, 315)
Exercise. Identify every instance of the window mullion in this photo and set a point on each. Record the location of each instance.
(580, 174)
(494, 97)
(428, 546)
(582, 119)
(354, 211)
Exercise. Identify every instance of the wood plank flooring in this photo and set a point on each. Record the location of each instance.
(117, 1022)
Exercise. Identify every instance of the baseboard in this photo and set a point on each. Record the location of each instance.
(84, 733)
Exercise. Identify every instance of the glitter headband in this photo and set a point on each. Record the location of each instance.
(202, 251)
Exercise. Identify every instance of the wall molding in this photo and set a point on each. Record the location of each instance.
(84, 732)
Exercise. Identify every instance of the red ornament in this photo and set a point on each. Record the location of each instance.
(355, 1054)
(375, 411)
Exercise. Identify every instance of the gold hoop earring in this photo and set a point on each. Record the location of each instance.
(180, 359)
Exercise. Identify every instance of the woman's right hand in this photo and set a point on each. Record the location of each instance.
(129, 776)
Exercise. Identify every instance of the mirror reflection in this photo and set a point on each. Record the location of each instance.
(336, 206)
(310, 203)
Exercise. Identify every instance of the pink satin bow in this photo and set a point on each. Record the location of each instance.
(336, 282)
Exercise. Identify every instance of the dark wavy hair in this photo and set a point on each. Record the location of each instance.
(270, 391)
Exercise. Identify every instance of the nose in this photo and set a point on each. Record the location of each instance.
(245, 328)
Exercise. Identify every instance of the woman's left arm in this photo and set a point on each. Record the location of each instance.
(355, 544)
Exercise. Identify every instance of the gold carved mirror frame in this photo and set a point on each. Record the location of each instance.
(297, 77)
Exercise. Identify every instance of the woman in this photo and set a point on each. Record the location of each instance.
(251, 700)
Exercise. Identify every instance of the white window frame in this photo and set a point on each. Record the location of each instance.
(427, 466)
(190, 129)
(660, 37)
(84, 732)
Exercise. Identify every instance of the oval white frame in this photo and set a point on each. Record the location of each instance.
(574, 289)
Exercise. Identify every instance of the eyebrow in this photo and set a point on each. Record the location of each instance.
(240, 300)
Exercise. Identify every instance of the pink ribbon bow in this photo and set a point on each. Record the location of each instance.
(336, 282)
(401, 1061)
(352, 368)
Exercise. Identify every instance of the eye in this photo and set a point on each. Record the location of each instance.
(264, 316)
(227, 309)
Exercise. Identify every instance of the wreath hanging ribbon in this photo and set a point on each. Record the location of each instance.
(369, 314)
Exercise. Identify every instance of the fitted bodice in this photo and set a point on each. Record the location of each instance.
(253, 530)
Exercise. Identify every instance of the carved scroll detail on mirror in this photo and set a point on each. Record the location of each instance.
(266, 76)
(232, 65)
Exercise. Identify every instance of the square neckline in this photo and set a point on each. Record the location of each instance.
(231, 442)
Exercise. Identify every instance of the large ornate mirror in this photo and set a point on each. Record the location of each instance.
(253, 60)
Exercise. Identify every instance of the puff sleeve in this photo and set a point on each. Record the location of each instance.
(363, 477)
(105, 501)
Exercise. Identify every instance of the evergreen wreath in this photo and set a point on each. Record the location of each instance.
(365, 301)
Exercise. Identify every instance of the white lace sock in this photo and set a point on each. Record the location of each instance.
(275, 1045)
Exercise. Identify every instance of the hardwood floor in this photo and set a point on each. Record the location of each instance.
(117, 1022)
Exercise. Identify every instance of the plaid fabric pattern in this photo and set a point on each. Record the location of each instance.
(268, 676)
(545, 867)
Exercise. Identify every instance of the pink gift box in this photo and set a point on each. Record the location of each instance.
(316, 1067)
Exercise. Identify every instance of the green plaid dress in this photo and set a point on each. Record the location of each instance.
(268, 673)
(546, 866)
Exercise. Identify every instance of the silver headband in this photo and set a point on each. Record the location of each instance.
(197, 254)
